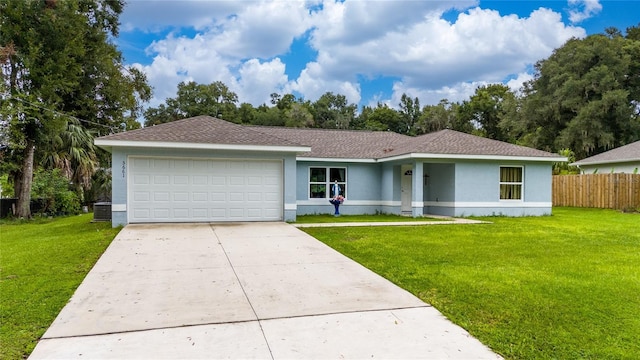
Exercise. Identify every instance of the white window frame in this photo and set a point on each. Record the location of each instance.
(328, 183)
(521, 183)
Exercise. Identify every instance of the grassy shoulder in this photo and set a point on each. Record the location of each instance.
(564, 286)
(41, 264)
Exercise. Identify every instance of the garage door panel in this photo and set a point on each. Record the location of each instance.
(141, 196)
(200, 180)
(181, 213)
(180, 196)
(200, 196)
(161, 213)
(160, 164)
(141, 180)
(205, 190)
(218, 180)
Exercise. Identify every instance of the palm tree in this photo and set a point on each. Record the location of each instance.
(73, 152)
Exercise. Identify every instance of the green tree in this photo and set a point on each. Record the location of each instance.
(246, 113)
(193, 99)
(332, 111)
(72, 152)
(298, 115)
(486, 109)
(410, 113)
(268, 116)
(585, 96)
(563, 168)
(442, 116)
(383, 118)
(52, 187)
(58, 64)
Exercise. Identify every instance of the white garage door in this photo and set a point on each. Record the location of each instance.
(202, 190)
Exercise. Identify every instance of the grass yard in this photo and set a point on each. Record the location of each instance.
(41, 264)
(329, 218)
(565, 286)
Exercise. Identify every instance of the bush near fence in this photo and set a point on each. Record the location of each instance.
(606, 191)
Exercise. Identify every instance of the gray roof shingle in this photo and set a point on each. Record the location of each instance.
(328, 143)
(201, 130)
(453, 142)
(626, 153)
(343, 144)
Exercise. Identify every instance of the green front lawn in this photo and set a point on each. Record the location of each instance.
(41, 264)
(329, 218)
(565, 286)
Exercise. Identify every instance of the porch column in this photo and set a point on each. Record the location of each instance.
(417, 198)
(289, 179)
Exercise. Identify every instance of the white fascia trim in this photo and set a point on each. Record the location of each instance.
(496, 204)
(198, 146)
(118, 207)
(336, 160)
(291, 206)
(605, 162)
(472, 157)
(316, 202)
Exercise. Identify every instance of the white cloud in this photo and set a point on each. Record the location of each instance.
(580, 10)
(155, 15)
(516, 84)
(457, 92)
(313, 83)
(433, 52)
(244, 44)
(264, 29)
(257, 78)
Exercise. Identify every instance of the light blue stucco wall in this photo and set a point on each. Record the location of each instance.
(391, 189)
(120, 156)
(477, 190)
(463, 188)
(363, 193)
(439, 188)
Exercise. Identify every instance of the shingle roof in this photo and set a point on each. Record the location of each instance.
(453, 142)
(202, 130)
(327, 143)
(626, 153)
(343, 144)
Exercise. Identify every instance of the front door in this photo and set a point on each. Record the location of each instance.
(406, 188)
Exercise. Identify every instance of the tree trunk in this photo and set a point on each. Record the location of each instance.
(24, 196)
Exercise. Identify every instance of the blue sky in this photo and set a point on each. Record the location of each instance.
(368, 50)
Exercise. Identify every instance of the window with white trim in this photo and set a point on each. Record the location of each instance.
(511, 181)
(321, 180)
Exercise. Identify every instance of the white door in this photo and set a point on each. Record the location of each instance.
(204, 190)
(406, 186)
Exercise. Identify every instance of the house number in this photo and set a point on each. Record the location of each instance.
(124, 167)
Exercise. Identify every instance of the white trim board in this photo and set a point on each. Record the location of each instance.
(496, 204)
(320, 202)
(201, 146)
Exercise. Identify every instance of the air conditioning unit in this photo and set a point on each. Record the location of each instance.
(102, 211)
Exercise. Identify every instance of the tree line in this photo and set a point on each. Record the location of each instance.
(64, 83)
(584, 99)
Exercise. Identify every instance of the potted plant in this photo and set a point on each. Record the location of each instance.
(336, 201)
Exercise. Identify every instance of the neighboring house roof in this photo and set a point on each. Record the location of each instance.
(626, 153)
(323, 143)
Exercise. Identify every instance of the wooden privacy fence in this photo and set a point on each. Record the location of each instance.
(607, 191)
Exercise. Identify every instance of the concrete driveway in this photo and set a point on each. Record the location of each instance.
(250, 290)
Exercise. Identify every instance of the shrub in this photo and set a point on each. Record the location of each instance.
(54, 189)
